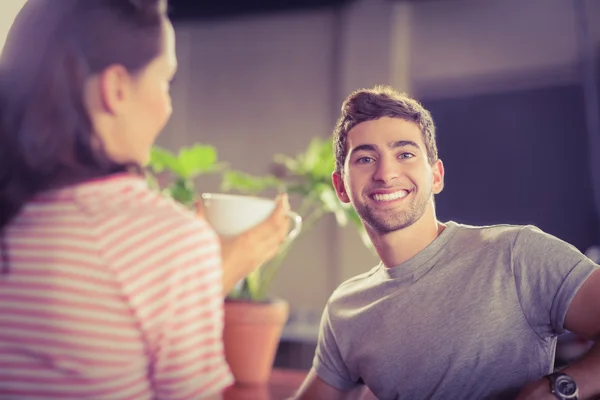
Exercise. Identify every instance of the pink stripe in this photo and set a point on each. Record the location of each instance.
(191, 310)
(40, 393)
(149, 202)
(58, 315)
(220, 383)
(156, 316)
(157, 241)
(124, 195)
(168, 272)
(216, 357)
(64, 224)
(190, 373)
(92, 362)
(31, 376)
(141, 197)
(75, 276)
(48, 260)
(137, 233)
(67, 304)
(56, 235)
(58, 344)
(193, 293)
(208, 315)
(177, 340)
(217, 385)
(83, 392)
(144, 392)
(116, 389)
(155, 307)
(114, 198)
(55, 248)
(74, 330)
(196, 263)
(193, 345)
(58, 215)
(50, 289)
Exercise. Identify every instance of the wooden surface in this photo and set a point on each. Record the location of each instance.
(283, 385)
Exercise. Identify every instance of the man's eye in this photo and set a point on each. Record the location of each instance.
(364, 160)
(406, 155)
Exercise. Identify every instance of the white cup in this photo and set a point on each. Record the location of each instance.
(232, 214)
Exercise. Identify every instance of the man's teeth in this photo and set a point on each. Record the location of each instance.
(390, 196)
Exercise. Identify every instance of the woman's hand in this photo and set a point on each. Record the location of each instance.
(244, 253)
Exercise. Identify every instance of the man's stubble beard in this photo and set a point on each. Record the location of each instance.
(388, 221)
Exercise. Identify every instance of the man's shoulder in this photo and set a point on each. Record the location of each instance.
(492, 234)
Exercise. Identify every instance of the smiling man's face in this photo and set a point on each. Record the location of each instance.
(387, 176)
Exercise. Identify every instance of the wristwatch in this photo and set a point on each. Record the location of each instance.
(563, 387)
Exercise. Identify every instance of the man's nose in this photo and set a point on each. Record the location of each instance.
(387, 170)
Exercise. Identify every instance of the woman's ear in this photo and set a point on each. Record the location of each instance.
(114, 87)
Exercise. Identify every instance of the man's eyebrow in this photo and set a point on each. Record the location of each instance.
(364, 147)
(403, 143)
(392, 145)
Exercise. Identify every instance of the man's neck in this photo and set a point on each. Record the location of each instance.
(399, 246)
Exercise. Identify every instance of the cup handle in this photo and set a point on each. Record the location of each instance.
(297, 221)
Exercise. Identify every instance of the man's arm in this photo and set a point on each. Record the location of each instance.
(583, 318)
(314, 388)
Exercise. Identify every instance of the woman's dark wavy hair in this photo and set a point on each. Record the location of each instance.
(53, 47)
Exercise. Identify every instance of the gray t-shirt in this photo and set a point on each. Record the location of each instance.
(474, 315)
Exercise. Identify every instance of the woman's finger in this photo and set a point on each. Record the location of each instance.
(200, 209)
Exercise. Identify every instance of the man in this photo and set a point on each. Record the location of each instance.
(452, 311)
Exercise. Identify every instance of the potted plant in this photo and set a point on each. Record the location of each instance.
(254, 320)
(307, 176)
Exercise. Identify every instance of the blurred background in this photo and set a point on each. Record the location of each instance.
(512, 86)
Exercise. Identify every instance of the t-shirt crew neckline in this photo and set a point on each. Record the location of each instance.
(417, 266)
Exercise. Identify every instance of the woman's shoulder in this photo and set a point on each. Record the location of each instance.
(129, 217)
(129, 199)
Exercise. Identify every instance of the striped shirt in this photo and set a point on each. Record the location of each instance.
(113, 292)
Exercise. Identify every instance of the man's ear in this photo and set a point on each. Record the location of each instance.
(115, 84)
(438, 176)
(340, 189)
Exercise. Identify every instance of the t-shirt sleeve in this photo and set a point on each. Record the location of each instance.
(174, 288)
(548, 272)
(328, 362)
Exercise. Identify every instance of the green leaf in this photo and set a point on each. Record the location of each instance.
(182, 190)
(310, 158)
(247, 183)
(289, 163)
(323, 169)
(161, 159)
(196, 160)
(317, 161)
(253, 281)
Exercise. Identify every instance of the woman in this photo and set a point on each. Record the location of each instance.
(107, 290)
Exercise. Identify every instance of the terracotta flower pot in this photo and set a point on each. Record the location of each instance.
(251, 336)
